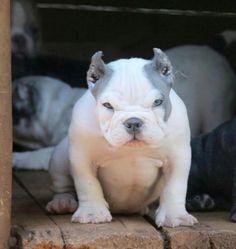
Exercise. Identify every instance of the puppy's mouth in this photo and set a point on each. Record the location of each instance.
(135, 142)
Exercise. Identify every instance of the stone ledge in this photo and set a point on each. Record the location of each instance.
(34, 229)
(214, 231)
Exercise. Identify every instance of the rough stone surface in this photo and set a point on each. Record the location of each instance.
(30, 226)
(35, 229)
(214, 231)
(122, 233)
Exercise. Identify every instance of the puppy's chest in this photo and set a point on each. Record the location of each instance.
(131, 168)
(128, 181)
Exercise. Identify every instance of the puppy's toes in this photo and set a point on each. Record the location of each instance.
(187, 220)
(171, 220)
(62, 204)
(92, 214)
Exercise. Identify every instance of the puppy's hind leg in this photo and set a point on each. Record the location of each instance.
(62, 204)
(64, 199)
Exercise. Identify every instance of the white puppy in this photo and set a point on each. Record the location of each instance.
(42, 108)
(207, 85)
(128, 144)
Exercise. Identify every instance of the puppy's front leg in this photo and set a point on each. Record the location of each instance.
(171, 211)
(92, 206)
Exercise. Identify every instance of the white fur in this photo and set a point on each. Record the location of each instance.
(206, 83)
(112, 173)
(38, 159)
(229, 36)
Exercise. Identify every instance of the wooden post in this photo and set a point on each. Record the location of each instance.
(5, 125)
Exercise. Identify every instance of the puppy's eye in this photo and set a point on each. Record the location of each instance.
(157, 102)
(165, 70)
(108, 106)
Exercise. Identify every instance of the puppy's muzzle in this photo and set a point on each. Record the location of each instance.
(133, 125)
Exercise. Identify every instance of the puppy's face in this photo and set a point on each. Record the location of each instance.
(131, 122)
(25, 29)
(133, 103)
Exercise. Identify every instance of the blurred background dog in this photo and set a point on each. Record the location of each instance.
(28, 57)
(25, 29)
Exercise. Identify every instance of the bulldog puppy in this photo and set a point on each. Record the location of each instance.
(212, 179)
(25, 29)
(42, 108)
(128, 144)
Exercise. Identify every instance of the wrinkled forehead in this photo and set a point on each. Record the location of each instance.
(133, 79)
(129, 78)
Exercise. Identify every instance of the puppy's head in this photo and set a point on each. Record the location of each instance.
(132, 98)
(25, 29)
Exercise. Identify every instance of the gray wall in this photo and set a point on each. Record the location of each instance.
(76, 33)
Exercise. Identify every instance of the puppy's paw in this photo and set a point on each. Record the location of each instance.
(200, 203)
(62, 204)
(94, 213)
(174, 220)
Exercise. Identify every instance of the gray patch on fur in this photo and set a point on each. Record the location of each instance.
(98, 75)
(159, 72)
(201, 202)
(25, 99)
(102, 83)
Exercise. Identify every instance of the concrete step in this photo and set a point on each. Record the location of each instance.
(34, 228)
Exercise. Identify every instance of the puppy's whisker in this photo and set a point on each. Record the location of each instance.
(181, 73)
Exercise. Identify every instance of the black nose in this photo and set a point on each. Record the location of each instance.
(133, 125)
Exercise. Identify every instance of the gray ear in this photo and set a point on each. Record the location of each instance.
(96, 70)
(162, 63)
